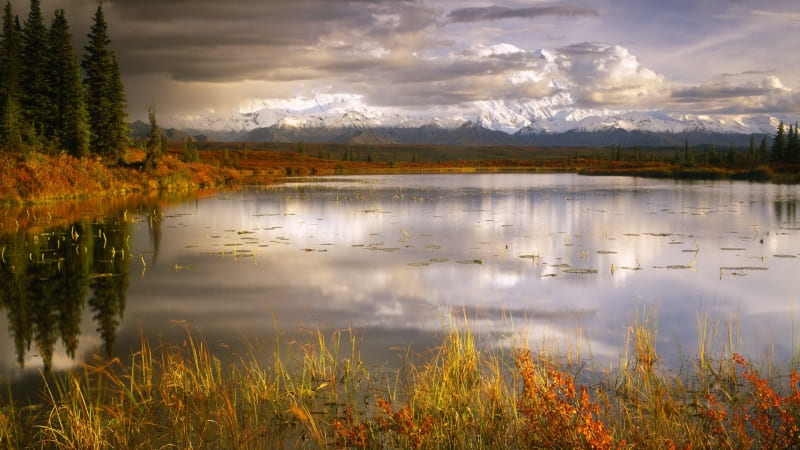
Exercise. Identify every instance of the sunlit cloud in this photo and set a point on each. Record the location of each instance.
(207, 55)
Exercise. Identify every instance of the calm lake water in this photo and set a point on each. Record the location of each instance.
(561, 259)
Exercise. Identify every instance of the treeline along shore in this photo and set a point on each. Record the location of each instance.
(42, 177)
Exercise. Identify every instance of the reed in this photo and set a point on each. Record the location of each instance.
(461, 394)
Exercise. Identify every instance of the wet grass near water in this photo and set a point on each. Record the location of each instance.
(462, 394)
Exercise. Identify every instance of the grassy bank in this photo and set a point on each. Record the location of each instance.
(37, 178)
(460, 395)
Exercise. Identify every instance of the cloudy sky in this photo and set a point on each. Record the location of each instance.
(693, 56)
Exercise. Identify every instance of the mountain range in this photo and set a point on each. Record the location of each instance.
(550, 121)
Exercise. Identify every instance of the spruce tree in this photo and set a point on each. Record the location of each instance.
(190, 153)
(779, 143)
(762, 149)
(11, 123)
(105, 96)
(37, 107)
(68, 125)
(793, 145)
(153, 145)
(730, 158)
(119, 111)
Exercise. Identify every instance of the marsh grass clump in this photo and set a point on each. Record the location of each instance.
(317, 393)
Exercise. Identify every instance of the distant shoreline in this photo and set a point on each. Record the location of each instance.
(36, 178)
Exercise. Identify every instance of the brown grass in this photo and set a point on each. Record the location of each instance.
(461, 395)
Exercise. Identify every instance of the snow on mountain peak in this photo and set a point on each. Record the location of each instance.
(557, 113)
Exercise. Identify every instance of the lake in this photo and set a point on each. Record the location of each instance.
(559, 260)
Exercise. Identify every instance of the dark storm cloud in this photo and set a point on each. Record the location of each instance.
(232, 41)
(489, 13)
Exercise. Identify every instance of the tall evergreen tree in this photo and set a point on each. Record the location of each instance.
(153, 146)
(34, 55)
(68, 126)
(11, 123)
(119, 111)
(762, 149)
(793, 145)
(190, 153)
(779, 143)
(105, 97)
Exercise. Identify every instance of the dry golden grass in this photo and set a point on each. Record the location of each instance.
(461, 395)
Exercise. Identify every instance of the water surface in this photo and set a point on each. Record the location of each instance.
(562, 259)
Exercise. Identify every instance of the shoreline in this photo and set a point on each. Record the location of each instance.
(37, 179)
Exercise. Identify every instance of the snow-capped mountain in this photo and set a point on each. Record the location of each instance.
(547, 116)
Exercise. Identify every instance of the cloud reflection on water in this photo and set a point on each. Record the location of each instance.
(396, 254)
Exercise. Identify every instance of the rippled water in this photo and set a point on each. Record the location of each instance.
(562, 259)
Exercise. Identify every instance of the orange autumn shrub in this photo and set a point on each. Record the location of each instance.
(555, 413)
(395, 429)
(758, 416)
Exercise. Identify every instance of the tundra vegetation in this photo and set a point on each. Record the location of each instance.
(318, 393)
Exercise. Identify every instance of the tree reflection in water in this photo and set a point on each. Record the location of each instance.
(48, 278)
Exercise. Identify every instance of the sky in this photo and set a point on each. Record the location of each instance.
(679, 56)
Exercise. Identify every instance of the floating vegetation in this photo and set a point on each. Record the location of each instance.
(659, 234)
(732, 249)
(548, 275)
(245, 232)
(784, 256)
(433, 247)
(606, 252)
(578, 271)
(383, 249)
(419, 264)
(438, 260)
(470, 261)
(679, 267)
(743, 268)
(191, 246)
